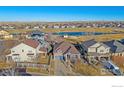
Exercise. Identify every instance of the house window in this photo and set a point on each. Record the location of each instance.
(101, 51)
(68, 56)
(30, 51)
(30, 54)
(15, 54)
(13, 51)
(22, 50)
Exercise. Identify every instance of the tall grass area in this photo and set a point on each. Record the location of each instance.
(84, 29)
(4, 65)
(106, 37)
(80, 29)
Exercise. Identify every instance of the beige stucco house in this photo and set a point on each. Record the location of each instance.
(95, 50)
(5, 35)
(26, 51)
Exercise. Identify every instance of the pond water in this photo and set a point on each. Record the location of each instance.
(81, 33)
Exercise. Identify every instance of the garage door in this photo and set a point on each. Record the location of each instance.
(59, 57)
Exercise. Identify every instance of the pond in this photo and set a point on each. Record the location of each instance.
(81, 33)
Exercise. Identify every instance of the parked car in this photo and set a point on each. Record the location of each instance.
(108, 64)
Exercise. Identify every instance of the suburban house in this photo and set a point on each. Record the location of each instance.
(73, 26)
(36, 35)
(58, 39)
(43, 27)
(63, 26)
(40, 37)
(65, 51)
(26, 51)
(16, 35)
(56, 26)
(94, 49)
(43, 52)
(27, 27)
(116, 47)
(36, 27)
(5, 35)
(122, 41)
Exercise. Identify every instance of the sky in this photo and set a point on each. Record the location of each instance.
(61, 13)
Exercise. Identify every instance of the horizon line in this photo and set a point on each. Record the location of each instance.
(70, 21)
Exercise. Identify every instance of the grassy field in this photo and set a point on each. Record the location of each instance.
(71, 30)
(96, 37)
(4, 65)
(89, 70)
(19, 31)
(36, 70)
(81, 29)
(83, 38)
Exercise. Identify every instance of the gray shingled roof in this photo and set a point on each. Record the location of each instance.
(121, 41)
(115, 46)
(89, 43)
(33, 33)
